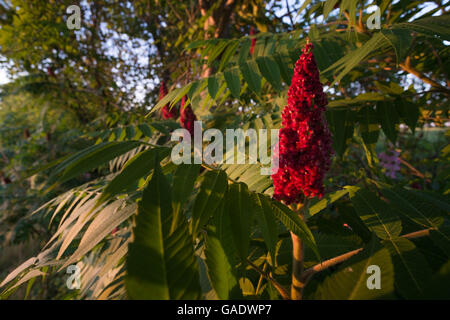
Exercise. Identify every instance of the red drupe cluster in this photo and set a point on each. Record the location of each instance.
(252, 47)
(187, 117)
(167, 112)
(304, 139)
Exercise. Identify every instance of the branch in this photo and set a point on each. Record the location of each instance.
(284, 293)
(298, 255)
(406, 66)
(414, 170)
(307, 274)
(289, 13)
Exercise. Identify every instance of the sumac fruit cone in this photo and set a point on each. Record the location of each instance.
(304, 139)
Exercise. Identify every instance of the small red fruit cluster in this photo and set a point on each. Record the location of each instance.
(252, 47)
(167, 112)
(304, 139)
(187, 117)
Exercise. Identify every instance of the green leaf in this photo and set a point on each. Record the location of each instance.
(436, 26)
(368, 125)
(350, 281)
(328, 7)
(328, 199)
(216, 51)
(183, 184)
(413, 207)
(361, 99)
(160, 264)
(293, 223)
(376, 214)
(349, 61)
(228, 53)
(342, 127)
(441, 202)
(167, 99)
(400, 40)
(269, 69)
(266, 221)
(145, 129)
(245, 50)
(92, 157)
(211, 193)
(349, 215)
(220, 268)
(131, 132)
(329, 246)
(213, 86)
(409, 111)
(251, 75)
(304, 5)
(437, 287)
(412, 272)
(284, 63)
(233, 81)
(196, 44)
(350, 7)
(389, 119)
(239, 208)
(441, 238)
(137, 167)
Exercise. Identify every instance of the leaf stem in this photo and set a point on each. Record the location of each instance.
(283, 292)
(308, 273)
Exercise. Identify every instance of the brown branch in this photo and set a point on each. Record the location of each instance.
(289, 13)
(297, 267)
(328, 263)
(406, 66)
(307, 274)
(414, 170)
(298, 250)
(283, 292)
(174, 11)
(360, 21)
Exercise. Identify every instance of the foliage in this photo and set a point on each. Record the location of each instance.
(104, 188)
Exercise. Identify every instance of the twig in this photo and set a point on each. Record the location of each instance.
(284, 293)
(406, 66)
(289, 13)
(306, 276)
(414, 170)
